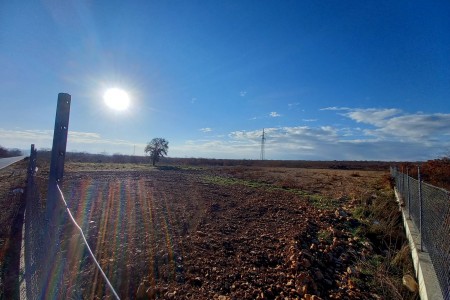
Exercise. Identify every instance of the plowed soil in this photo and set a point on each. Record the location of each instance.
(218, 233)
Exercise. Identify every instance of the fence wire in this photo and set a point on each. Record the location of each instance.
(87, 245)
(429, 209)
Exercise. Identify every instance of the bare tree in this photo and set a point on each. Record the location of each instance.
(157, 148)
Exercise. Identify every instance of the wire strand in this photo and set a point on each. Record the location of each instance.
(87, 245)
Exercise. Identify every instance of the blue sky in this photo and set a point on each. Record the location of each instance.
(353, 80)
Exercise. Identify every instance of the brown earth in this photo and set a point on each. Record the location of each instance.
(220, 233)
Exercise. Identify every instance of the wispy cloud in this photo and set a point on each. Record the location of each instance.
(274, 114)
(242, 93)
(378, 134)
(43, 139)
(335, 108)
(373, 116)
(368, 134)
(309, 120)
(394, 123)
(206, 129)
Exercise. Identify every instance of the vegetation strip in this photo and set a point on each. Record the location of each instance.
(316, 199)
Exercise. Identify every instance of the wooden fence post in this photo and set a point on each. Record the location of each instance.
(32, 161)
(30, 176)
(58, 153)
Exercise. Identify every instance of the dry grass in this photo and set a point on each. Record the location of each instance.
(91, 167)
(368, 195)
(382, 226)
(12, 185)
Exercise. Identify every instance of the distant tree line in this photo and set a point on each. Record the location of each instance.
(45, 154)
(4, 152)
(435, 172)
(192, 161)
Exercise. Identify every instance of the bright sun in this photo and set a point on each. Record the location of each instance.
(116, 99)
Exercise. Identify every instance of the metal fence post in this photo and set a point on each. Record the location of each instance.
(403, 183)
(409, 193)
(420, 209)
(58, 152)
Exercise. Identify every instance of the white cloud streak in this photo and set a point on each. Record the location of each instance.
(274, 114)
(381, 134)
(376, 134)
(43, 139)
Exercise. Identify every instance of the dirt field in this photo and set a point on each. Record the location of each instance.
(221, 232)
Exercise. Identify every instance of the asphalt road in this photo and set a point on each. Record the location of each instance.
(4, 162)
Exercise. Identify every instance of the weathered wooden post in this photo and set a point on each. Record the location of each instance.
(30, 175)
(58, 153)
(32, 161)
(53, 212)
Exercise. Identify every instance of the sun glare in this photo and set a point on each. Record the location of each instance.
(116, 99)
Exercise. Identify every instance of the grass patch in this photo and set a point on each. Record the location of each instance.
(325, 235)
(321, 202)
(381, 224)
(91, 167)
(224, 181)
(316, 200)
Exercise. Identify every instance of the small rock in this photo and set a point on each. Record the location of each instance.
(318, 275)
(410, 283)
(351, 270)
(197, 281)
(171, 295)
(328, 282)
(340, 213)
(305, 263)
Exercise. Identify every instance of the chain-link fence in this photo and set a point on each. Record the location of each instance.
(429, 209)
(35, 238)
(55, 248)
